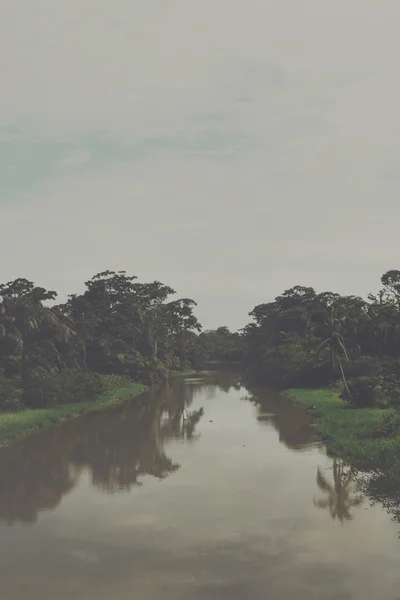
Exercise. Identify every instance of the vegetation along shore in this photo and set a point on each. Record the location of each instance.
(14, 425)
(337, 355)
(99, 347)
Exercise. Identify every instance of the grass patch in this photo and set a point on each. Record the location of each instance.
(16, 425)
(355, 434)
(183, 373)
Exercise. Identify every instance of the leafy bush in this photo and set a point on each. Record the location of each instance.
(390, 426)
(10, 395)
(76, 386)
(293, 365)
(52, 388)
(365, 366)
(367, 392)
(152, 372)
(390, 367)
(41, 388)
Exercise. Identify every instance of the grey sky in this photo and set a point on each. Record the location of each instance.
(229, 149)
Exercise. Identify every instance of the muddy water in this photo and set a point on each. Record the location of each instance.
(204, 491)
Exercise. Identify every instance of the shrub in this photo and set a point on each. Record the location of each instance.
(152, 372)
(293, 365)
(392, 390)
(365, 366)
(10, 395)
(51, 388)
(41, 388)
(390, 425)
(367, 392)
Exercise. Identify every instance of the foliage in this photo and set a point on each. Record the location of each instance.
(52, 355)
(390, 425)
(10, 395)
(310, 339)
(292, 364)
(352, 433)
(14, 425)
(222, 345)
(367, 392)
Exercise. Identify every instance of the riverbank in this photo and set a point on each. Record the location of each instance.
(20, 424)
(185, 373)
(369, 438)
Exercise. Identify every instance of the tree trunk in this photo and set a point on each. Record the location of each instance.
(344, 378)
(183, 348)
(84, 356)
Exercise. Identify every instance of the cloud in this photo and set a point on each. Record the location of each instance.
(231, 151)
(76, 158)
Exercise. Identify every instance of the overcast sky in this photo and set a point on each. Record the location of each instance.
(230, 149)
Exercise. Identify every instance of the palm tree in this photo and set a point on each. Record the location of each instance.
(337, 345)
(36, 333)
(339, 499)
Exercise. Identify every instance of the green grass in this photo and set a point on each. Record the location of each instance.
(16, 425)
(183, 373)
(351, 433)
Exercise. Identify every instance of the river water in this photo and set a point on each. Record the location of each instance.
(203, 490)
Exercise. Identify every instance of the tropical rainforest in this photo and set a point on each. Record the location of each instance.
(305, 339)
(117, 331)
(120, 329)
(337, 355)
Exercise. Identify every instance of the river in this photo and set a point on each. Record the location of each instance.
(203, 490)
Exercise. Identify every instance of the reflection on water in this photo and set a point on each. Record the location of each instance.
(189, 493)
(340, 496)
(117, 446)
(293, 423)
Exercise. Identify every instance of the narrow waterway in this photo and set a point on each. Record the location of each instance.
(203, 490)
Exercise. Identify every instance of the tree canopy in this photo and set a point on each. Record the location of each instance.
(305, 338)
(118, 326)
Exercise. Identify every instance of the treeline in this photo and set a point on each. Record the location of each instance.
(309, 339)
(222, 346)
(117, 331)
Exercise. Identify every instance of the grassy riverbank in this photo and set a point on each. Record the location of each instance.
(16, 425)
(184, 373)
(367, 437)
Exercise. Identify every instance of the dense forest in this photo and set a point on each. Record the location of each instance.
(118, 329)
(348, 349)
(309, 339)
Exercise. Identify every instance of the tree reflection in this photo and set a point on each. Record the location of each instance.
(120, 451)
(116, 447)
(293, 423)
(176, 421)
(223, 380)
(31, 482)
(340, 496)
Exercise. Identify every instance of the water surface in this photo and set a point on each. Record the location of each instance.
(201, 491)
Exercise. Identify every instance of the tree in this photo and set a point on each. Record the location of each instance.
(116, 326)
(32, 332)
(181, 321)
(336, 344)
(222, 345)
(391, 282)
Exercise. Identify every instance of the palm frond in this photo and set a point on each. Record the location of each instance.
(324, 343)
